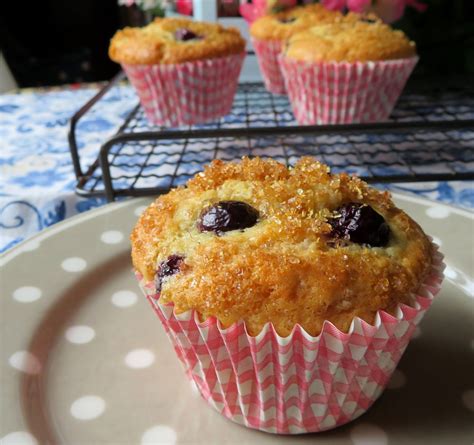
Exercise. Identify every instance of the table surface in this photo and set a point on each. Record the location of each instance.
(36, 175)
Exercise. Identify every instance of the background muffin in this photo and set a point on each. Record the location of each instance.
(335, 42)
(282, 25)
(270, 32)
(184, 72)
(174, 40)
(350, 71)
(304, 281)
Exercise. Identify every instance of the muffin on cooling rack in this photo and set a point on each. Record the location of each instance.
(349, 71)
(271, 31)
(184, 72)
(260, 273)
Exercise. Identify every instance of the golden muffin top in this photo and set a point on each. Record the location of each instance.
(284, 24)
(258, 242)
(174, 40)
(354, 39)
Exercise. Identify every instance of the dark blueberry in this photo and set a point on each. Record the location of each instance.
(183, 35)
(227, 215)
(168, 267)
(287, 20)
(360, 224)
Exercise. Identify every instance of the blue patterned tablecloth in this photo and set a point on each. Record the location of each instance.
(36, 175)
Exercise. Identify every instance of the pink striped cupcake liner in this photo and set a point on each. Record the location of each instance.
(343, 92)
(300, 383)
(267, 55)
(186, 93)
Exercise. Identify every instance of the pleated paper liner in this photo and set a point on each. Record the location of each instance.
(300, 383)
(267, 52)
(186, 93)
(343, 92)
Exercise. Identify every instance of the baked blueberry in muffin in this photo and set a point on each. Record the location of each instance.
(258, 242)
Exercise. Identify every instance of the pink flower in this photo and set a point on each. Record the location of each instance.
(286, 3)
(184, 7)
(252, 11)
(392, 10)
(389, 10)
(359, 5)
(258, 8)
(420, 7)
(334, 4)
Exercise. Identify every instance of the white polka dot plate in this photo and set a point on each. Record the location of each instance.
(85, 361)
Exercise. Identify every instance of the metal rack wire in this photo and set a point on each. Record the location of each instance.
(430, 136)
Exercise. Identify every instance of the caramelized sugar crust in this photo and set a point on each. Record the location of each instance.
(288, 268)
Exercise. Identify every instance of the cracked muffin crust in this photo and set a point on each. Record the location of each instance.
(174, 40)
(258, 242)
(356, 38)
(282, 25)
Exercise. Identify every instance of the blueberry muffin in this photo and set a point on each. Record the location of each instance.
(258, 242)
(184, 72)
(174, 40)
(335, 42)
(282, 25)
(270, 32)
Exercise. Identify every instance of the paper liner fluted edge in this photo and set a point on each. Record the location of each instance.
(186, 93)
(344, 92)
(299, 383)
(267, 52)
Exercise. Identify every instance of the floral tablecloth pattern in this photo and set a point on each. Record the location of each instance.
(36, 174)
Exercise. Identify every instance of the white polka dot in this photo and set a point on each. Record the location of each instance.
(124, 298)
(416, 332)
(468, 399)
(437, 241)
(88, 407)
(368, 434)
(139, 358)
(438, 212)
(139, 210)
(80, 334)
(18, 438)
(27, 294)
(397, 380)
(449, 272)
(160, 434)
(25, 361)
(112, 237)
(74, 264)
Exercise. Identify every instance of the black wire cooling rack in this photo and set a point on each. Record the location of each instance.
(430, 136)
